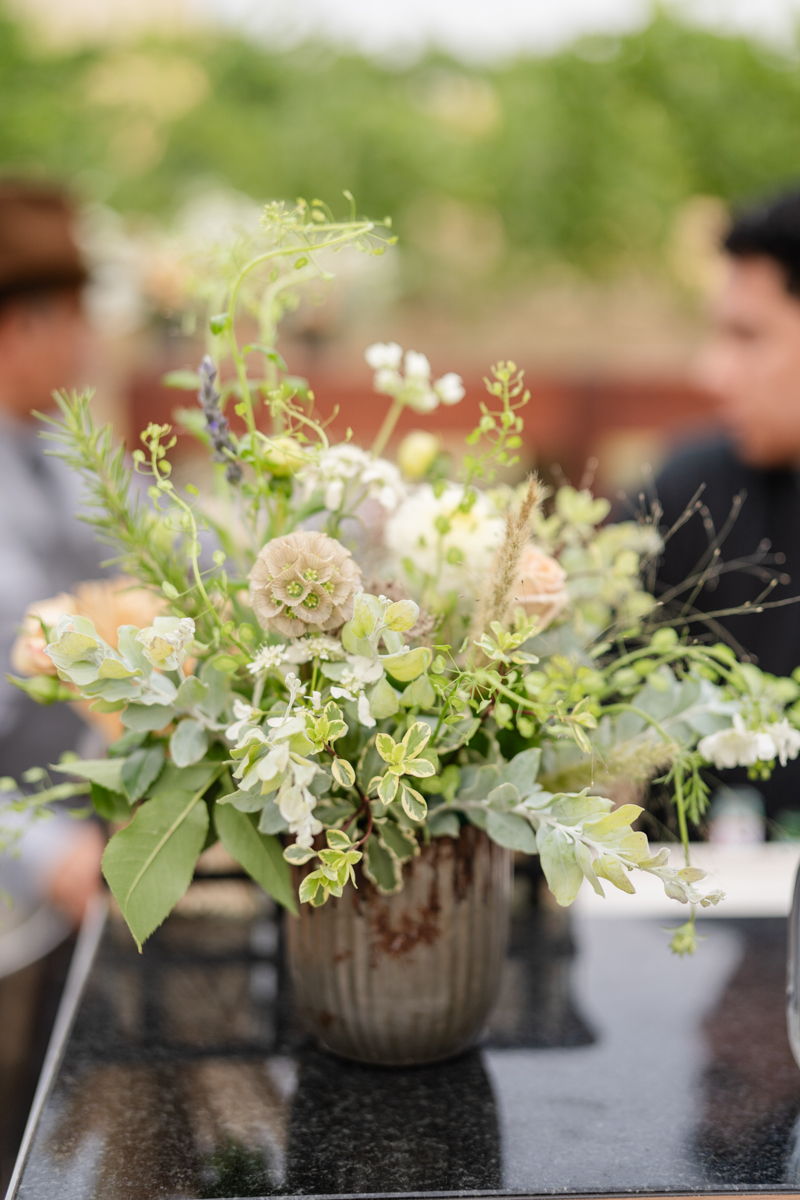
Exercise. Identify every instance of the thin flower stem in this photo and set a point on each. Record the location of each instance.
(387, 428)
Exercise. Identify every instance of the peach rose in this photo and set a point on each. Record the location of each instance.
(541, 588)
(27, 653)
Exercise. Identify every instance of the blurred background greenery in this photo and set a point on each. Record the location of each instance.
(560, 208)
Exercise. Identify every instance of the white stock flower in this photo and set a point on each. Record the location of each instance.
(450, 388)
(452, 547)
(267, 659)
(347, 475)
(384, 354)
(786, 739)
(737, 746)
(167, 642)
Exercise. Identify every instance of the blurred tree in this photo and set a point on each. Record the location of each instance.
(583, 157)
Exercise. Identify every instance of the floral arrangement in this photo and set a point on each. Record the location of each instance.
(344, 658)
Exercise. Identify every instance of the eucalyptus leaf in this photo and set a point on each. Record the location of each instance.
(143, 717)
(444, 823)
(188, 743)
(191, 692)
(259, 854)
(512, 831)
(149, 864)
(272, 819)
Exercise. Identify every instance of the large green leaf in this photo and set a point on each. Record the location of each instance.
(382, 867)
(260, 854)
(140, 770)
(149, 864)
(105, 771)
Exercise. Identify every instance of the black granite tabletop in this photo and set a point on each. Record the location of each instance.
(609, 1067)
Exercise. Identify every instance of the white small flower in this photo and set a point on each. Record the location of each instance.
(296, 688)
(786, 739)
(381, 354)
(450, 388)
(166, 643)
(388, 381)
(243, 713)
(266, 659)
(306, 649)
(417, 365)
(296, 805)
(737, 746)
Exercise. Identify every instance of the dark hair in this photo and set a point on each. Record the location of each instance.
(771, 229)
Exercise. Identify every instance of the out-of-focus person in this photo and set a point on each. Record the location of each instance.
(44, 550)
(746, 530)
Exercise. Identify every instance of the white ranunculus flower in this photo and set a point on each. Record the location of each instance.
(450, 388)
(453, 547)
(417, 365)
(737, 746)
(786, 739)
(382, 354)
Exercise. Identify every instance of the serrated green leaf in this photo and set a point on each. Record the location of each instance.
(111, 806)
(260, 854)
(149, 864)
(140, 770)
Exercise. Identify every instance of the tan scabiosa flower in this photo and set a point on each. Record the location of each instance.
(303, 583)
(541, 585)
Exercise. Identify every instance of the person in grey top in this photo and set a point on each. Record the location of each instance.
(44, 548)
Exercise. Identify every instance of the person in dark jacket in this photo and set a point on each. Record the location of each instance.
(740, 545)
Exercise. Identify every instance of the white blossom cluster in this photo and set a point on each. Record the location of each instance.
(742, 747)
(444, 542)
(412, 386)
(347, 475)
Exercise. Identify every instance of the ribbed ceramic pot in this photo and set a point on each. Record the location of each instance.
(409, 978)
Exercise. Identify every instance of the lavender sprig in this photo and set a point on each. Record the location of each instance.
(216, 422)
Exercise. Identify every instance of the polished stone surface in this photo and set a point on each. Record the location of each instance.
(610, 1066)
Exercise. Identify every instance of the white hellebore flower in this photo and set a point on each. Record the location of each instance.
(384, 355)
(167, 642)
(737, 746)
(786, 739)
